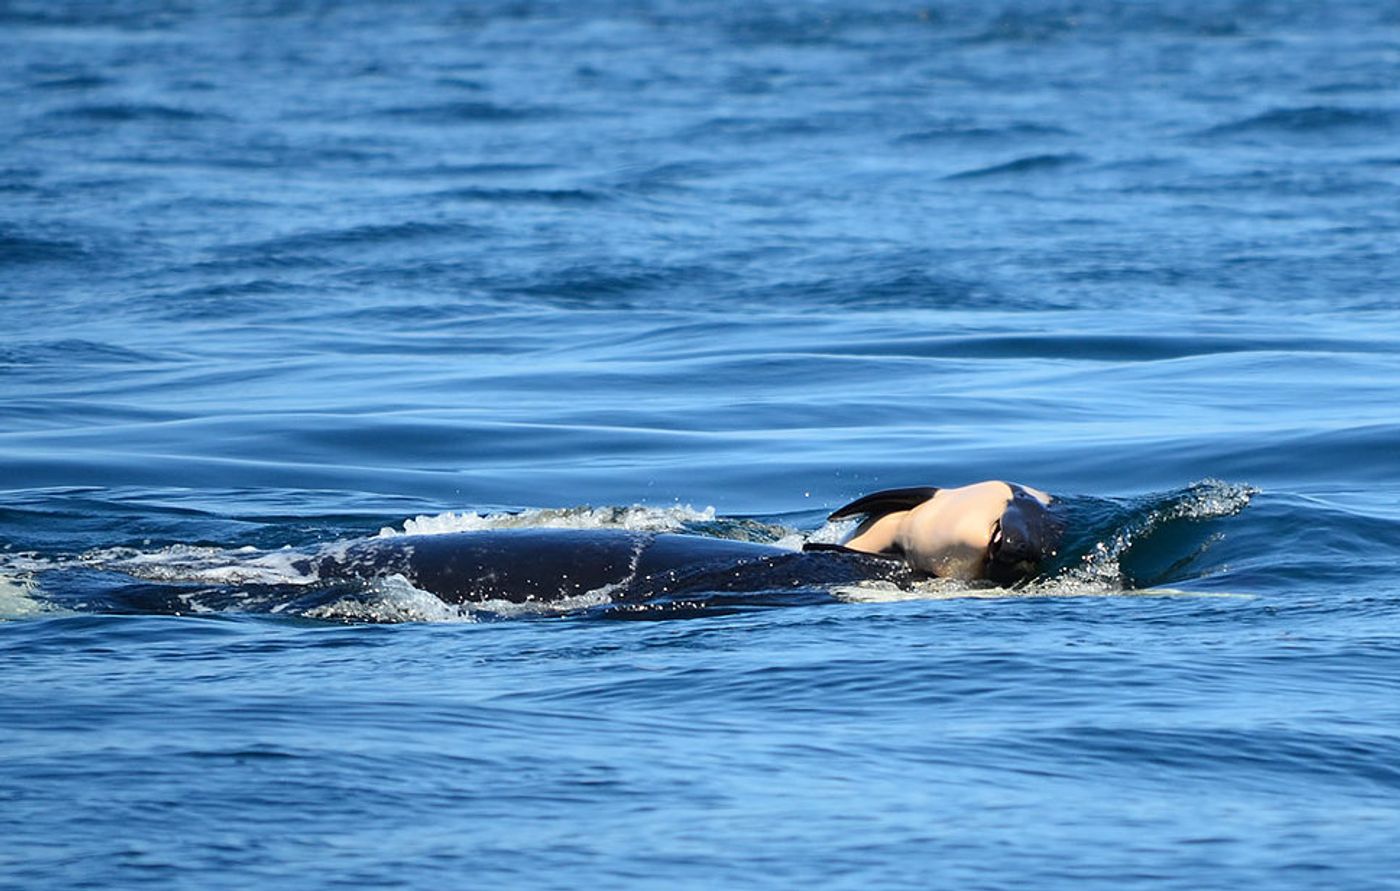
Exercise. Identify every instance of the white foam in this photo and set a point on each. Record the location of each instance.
(508, 609)
(950, 589)
(23, 564)
(395, 600)
(1209, 499)
(829, 533)
(888, 592)
(216, 566)
(391, 599)
(955, 589)
(17, 600)
(637, 518)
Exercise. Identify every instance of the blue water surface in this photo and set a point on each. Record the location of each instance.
(283, 274)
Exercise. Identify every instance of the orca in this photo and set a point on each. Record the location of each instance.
(549, 565)
(993, 530)
(997, 531)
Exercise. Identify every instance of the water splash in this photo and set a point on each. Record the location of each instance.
(1104, 565)
(394, 600)
(637, 518)
(389, 600)
(18, 600)
(205, 565)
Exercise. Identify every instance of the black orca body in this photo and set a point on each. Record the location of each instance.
(547, 565)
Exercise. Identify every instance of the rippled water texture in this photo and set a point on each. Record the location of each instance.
(275, 277)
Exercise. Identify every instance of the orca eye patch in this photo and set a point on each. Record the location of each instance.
(1008, 561)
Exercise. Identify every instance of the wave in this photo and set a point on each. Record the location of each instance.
(133, 112)
(76, 81)
(756, 128)
(979, 24)
(1145, 542)
(964, 133)
(1115, 348)
(16, 248)
(232, 299)
(609, 285)
(1315, 119)
(467, 113)
(521, 196)
(890, 283)
(488, 168)
(1030, 164)
(353, 237)
(72, 353)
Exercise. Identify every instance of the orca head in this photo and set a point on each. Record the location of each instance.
(1027, 533)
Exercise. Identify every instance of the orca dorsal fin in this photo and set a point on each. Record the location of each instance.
(877, 504)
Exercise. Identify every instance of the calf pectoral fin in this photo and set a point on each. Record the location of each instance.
(811, 546)
(877, 504)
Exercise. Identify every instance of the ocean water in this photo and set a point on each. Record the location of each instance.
(281, 275)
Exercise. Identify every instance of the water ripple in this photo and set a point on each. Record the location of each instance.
(1316, 119)
(1029, 164)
